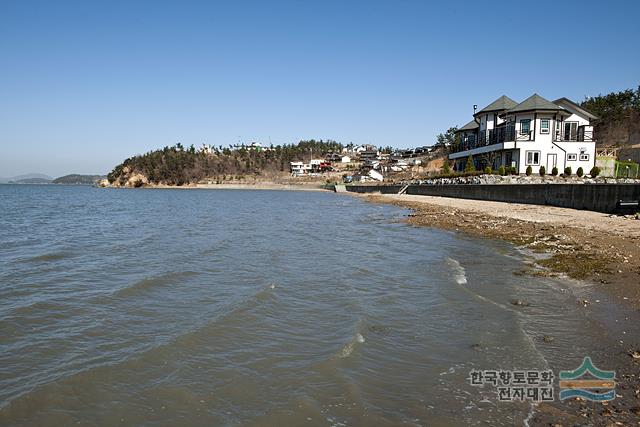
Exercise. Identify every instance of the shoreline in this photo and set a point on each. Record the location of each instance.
(600, 250)
(263, 186)
(271, 186)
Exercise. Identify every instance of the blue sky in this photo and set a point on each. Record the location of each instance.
(86, 84)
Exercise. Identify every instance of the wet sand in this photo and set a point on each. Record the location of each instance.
(599, 249)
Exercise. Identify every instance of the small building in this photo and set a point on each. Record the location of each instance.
(333, 157)
(369, 155)
(345, 159)
(299, 168)
(313, 167)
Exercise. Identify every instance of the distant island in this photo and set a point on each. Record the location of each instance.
(30, 178)
(35, 178)
(30, 181)
(77, 179)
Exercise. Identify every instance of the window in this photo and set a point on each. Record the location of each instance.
(570, 131)
(572, 157)
(584, 157)
(544, 125)
(525, 126)
(533, 158)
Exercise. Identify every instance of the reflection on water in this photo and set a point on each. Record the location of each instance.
(174, 307)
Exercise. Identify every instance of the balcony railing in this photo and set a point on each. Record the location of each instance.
(582, 135)
(489, 137)
(507, 133)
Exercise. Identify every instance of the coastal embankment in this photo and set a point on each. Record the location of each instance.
(600, 197)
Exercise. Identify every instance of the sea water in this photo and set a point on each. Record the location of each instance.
(221, 307)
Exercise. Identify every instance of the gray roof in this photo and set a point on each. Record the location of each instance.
(469, 126)
(501, 104)
(570, 105)
(535, 103)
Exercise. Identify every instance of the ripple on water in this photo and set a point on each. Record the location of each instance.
(49, 257)
(154, 282)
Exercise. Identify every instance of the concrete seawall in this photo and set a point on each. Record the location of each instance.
(593, 197)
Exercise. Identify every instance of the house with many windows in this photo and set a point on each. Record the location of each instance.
(535, 132)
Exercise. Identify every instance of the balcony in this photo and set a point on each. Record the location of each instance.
(582, 134)
(498, 135)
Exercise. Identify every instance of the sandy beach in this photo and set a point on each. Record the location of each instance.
(601, 251)
(262, 186)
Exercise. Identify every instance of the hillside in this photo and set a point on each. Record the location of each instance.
(77, 179)
(618, 123)
(180, 166)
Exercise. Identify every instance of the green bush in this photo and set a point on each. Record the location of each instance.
(567, 171)
(580, 172)
(502, 171)
(446, 169)
(513, 170)
(488, 170)
(529, 170)
(627, 169)
(554, 171)
(595, 171)
(470, 167)
(543, 171)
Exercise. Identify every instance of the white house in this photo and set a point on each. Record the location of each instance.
(300, 168)
(535, 132)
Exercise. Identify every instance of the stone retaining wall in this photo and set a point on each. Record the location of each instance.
(593, 197)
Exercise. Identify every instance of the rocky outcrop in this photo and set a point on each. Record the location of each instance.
(129, 178)
(136, 180)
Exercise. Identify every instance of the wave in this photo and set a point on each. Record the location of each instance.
(129, 360)
(459, 273)
(52, 256)
(153, 282)
(357, 338)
